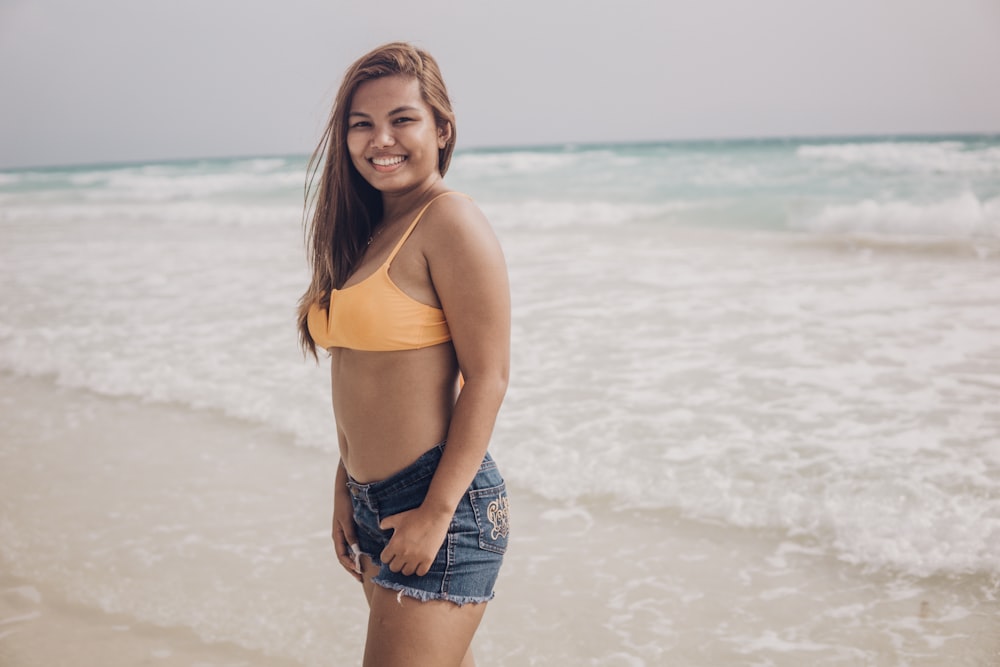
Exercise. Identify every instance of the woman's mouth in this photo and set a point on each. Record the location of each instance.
(387, 163)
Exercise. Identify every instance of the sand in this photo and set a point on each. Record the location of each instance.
(134, 533)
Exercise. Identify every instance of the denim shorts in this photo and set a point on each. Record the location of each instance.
(468, 562)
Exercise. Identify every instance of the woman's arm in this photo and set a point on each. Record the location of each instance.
(469, 274)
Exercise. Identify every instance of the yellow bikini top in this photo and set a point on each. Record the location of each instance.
(375, 315)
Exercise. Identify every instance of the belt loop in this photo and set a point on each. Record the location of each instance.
(362, 493)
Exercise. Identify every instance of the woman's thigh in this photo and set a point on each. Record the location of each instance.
(406, 632)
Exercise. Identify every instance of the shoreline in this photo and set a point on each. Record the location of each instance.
(144, 533)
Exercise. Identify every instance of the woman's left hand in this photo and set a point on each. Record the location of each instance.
(416, 539)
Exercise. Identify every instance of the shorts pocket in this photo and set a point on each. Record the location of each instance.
(492, 510)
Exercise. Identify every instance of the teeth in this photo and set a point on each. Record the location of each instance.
(388, 161)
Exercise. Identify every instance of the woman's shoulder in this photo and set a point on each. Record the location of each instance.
(454, 221)
(453, 210)
(455, 226)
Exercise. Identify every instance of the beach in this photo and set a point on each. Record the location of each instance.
(193, 539)
(753, 418)
(196, 540)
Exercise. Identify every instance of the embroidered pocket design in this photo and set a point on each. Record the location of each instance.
(492, 510)
(498, 513)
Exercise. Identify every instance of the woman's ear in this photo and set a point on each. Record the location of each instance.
(444, 134)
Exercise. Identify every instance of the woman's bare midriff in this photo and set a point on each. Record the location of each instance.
(391, 407)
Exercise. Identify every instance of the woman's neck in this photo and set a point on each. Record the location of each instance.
(395, 205)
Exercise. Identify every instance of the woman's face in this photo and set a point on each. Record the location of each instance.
(392, 135)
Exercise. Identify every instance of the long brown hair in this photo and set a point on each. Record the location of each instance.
(342, 210)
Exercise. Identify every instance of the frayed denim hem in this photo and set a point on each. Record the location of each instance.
(426, 596)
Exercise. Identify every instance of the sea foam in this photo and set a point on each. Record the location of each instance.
(911, 156)
(963, 216)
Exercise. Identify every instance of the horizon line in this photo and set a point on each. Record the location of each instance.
(564, 145)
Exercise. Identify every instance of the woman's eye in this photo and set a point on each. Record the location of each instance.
(401, 120)
(360, 123)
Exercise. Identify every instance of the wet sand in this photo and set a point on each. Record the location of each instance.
(134, 533)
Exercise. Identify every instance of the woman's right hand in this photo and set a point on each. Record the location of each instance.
(345, 539)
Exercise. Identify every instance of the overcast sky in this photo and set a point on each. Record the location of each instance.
(86, 81)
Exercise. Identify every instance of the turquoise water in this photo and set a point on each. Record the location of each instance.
(944, 186)
(763, 184)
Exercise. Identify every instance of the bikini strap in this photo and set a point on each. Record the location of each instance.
(413, 224)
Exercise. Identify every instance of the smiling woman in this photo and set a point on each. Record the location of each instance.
(383, 138)
(405, 310)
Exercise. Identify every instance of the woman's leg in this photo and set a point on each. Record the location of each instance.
(405, 632)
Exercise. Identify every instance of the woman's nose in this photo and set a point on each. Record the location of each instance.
(382, 137)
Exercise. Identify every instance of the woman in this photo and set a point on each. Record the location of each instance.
(416, 319)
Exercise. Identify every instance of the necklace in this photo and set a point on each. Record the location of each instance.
(374, 236)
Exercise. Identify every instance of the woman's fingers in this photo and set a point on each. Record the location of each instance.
(348, 551)
(416, 539)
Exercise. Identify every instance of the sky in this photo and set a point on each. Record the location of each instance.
(136, 80)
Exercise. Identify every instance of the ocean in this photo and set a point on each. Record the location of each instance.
(771, 363)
